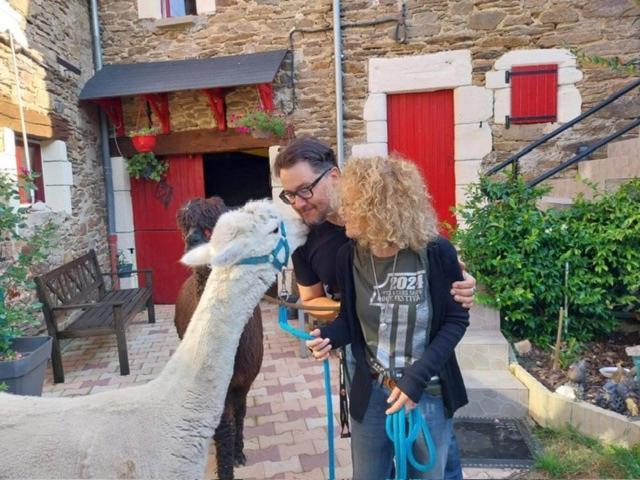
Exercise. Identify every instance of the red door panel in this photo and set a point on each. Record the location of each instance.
(159, 244)
(420, 128)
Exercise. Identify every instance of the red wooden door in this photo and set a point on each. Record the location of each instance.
(159, 244)
(420, 128)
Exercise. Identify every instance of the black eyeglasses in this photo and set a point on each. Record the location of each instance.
(303, 192)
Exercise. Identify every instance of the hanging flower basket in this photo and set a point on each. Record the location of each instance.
(144, 140)
(146, 166)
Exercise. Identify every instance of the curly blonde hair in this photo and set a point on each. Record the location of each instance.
(386, 198)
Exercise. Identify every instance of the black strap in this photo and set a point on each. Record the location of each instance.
(345, 432)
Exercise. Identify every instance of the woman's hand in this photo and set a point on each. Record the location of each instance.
(399, 400)
(319, 347)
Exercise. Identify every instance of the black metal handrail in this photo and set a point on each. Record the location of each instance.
(582, 155)
(513, 160)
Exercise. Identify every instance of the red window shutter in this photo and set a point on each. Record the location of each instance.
(534, 94)
(36, 167)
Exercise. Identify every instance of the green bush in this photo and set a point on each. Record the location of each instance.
(519, 253)
(18, 309)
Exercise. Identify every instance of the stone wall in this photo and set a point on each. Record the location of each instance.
(488, 28)
(65, 129)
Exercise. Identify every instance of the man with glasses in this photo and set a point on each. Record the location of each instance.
(310, 177)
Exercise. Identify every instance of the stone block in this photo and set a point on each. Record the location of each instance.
(56, 150)
(149, 9)
(124, 211)
(205, 7)
(486, 19)
(561, 56)
(370, 150)
(377, 132)
(57, 173)
(501, 105)
(495, 79)
(467, 171)
(58, 198)
(569, 103)
(472, 104)
(569, 75)
(273, 153)
(375, 107)
(472, 141)
(121, 179)
(417, 73)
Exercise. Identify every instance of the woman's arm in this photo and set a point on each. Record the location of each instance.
(456, 321)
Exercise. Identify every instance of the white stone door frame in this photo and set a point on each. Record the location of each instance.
(473, 106)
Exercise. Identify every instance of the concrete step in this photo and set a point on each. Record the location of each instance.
(483, 317)
(558, 203)
(483, 350)
(494, 394)
(568, 188)
(614, 167)
(624, 148)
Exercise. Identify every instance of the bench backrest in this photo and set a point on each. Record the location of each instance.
(78, 281)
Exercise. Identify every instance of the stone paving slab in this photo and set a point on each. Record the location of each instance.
(285, 427)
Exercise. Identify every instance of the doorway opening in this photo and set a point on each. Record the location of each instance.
(237, 177)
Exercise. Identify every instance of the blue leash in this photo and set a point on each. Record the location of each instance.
(282, 320)
(396, 427)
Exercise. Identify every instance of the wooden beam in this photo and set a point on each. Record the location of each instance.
(208, 140)
(37, 124)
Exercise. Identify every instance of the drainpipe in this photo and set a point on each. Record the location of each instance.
(104, 141)
(337, 55)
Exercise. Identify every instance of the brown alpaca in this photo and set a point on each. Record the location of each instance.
(196, 220)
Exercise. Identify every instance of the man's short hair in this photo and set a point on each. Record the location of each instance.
(308, 149)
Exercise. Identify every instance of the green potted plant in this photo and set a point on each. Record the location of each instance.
(261, 124)
(144, 139)
(146, 165)
(124, 265)
(22, 358)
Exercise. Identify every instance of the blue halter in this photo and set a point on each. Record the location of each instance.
(272, 258)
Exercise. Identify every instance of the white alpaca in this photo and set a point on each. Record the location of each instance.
(161, 429)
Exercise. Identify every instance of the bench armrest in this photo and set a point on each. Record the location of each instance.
(142, 270)
(78, 306)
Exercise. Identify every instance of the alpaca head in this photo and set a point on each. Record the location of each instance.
(251, 231)
(196, 219)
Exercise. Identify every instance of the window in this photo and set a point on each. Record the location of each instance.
(36, 167)
(534, 94)
(178, 8)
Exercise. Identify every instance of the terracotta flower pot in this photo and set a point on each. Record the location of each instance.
(144, 143)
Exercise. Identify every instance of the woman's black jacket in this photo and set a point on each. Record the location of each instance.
(449, 322)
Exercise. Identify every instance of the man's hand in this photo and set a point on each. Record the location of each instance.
(464, 290)
(399, 400)
(319, 347)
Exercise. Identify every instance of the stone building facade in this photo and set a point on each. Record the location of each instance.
(484, 30)
(54, 59)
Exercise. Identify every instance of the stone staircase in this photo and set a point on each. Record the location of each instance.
(483, 355)
(621, 165)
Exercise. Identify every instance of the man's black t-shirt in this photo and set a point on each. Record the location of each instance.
(315, 261)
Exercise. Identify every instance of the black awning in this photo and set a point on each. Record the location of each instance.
(157, 77)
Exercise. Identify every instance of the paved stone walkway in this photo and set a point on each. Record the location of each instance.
(285, 428)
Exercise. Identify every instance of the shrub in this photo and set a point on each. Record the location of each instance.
(519, 253)
(18, 309)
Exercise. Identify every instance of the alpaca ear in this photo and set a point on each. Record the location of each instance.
(200, 255)
(229, 254)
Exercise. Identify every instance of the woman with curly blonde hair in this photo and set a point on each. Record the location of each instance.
(396, 312)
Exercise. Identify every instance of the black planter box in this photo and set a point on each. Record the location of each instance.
(26, 375)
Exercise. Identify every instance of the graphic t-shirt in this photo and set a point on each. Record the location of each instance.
(395, 313)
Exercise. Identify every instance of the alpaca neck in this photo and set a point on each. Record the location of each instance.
(204, 359)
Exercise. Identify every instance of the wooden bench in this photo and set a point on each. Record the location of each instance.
(80, 285)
